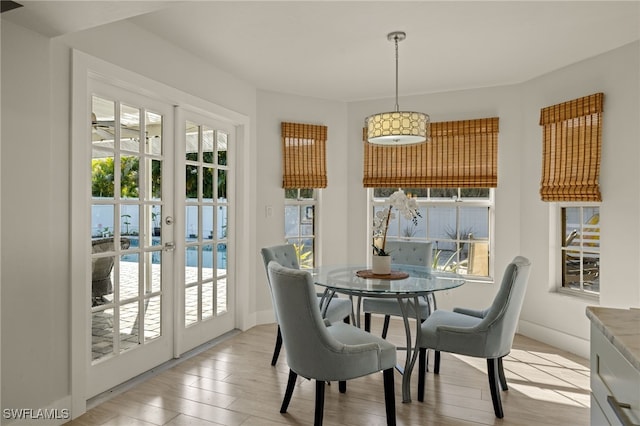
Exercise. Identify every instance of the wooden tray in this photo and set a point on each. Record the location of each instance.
(394, 275)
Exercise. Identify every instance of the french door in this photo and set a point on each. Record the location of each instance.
(206, 184)
(131, 236)
(161, 179)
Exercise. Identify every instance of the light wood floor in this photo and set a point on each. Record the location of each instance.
(233, 383)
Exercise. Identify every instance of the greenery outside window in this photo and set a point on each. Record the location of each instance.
(580, 248)
(458, 222)
(299, 223)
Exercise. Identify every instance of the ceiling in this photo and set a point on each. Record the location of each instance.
(338, 50)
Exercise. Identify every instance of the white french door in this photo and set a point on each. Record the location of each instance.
(132, 236)
(205, 249)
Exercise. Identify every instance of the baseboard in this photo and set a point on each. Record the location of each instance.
(558, 339)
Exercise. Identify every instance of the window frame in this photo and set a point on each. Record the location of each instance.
(560, 237)
(457, 202)
(303, 202)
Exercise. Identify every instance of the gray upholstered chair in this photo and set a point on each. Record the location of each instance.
(101, 268)
(484, 333)
(285, 254)
(405, 253)
(322, 351)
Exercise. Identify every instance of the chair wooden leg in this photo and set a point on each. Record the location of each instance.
(501, 376)
(367, 322)
(385, 326)
(276, 350)
(291, 383)
(421, 372)
(342, 386)
(389, 396)
(492, 370)
(436, 362)
(317, 420)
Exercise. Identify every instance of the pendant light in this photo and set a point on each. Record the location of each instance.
(397, 127)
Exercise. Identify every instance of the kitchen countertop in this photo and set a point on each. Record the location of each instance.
(621, 327)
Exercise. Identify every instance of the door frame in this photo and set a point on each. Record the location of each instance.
(85, 67)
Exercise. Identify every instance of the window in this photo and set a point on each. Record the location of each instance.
(458, 221)
(580, 253)
(299, 224)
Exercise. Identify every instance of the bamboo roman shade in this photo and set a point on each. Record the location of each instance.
(571, 143)
(461, 154)
(303, 156)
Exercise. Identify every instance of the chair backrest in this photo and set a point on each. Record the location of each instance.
(285, 255)
(501, 318)
(311, 351)
(410, 252)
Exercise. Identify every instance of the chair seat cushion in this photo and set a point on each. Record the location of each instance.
(338, 309)
(461, 343)
(355, 337)
(392, 307)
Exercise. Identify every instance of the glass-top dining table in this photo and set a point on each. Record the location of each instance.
(406, 284)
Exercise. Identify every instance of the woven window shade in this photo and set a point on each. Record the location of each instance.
(571, 144)
(461, 154)
(303, 154)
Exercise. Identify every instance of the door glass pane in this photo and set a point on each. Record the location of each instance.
(222, 148)
(221, 306)
(191, 222)
(207, 300)
(129, 128)
(207, 183)
(222, 184)
(130, 220)
(207, 222)
(207, 262)
(191, 188)
(153, 132)
(221, 222)
(191, 265)
(154, 264)
(102, 220)
(129, 272)
(129, 326)
(156, 179)
(191, 306)
(152, 316)
(207, 145)
(102, 333)
(129, 177)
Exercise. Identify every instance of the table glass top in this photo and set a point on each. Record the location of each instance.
(421, 280)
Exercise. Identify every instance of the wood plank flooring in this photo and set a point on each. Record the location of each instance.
(234, 384)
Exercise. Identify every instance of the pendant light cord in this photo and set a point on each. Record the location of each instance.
(397, 105)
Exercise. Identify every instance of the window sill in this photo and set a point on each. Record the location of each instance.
(589, 297)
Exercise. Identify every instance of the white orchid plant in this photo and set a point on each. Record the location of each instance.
(406, 206)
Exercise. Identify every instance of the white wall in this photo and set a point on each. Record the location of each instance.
(274, 108)
(552, 317)
(522, 219)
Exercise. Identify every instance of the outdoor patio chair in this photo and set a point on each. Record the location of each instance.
(101, 267)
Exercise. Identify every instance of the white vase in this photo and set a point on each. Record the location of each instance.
(381, 265)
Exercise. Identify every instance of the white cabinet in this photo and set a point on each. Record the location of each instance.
(615, 384)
